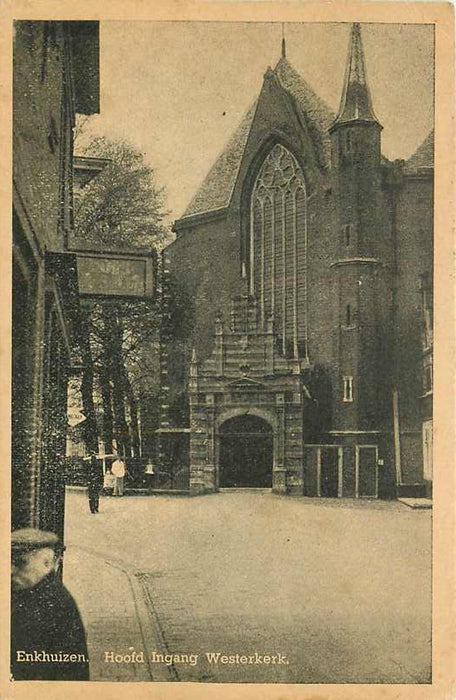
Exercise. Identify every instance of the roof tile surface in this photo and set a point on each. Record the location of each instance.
(423, 156)
(217, 188)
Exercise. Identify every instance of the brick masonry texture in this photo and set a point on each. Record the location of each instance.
(370, 276)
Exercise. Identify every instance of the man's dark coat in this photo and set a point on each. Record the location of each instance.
(94, 482)
(45, 618)
(94, 473)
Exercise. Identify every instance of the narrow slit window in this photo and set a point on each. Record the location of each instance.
(348, 315)
(348, 389)
(347, 231)
(45, 51)
(53, 138)
(427, 379)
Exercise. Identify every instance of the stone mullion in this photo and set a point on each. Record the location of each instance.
(295, 280)
(252, 246)
(262, 258)
(306, 302)
(273, 253)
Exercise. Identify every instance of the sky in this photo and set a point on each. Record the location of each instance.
(178, 90)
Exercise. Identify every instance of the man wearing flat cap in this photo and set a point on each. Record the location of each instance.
(48, 640)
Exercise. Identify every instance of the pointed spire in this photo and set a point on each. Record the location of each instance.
(356, 102)
(284, 48)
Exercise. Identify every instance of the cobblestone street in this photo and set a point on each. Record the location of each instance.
(335, 591)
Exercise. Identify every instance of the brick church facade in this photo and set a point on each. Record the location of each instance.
(305, 262)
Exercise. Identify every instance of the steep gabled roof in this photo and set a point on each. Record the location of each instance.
(316, 113)
(217, 188)
(423, 156)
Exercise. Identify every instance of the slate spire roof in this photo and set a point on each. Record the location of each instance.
(356, 102)
(217, 188)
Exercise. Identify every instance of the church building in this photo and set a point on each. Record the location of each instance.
(303, 269)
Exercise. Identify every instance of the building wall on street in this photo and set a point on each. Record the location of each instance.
(414, 259)
(45, 303)
(42, 127)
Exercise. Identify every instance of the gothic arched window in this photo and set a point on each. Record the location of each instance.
(278, 247)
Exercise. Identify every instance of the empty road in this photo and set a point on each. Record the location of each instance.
(282, 589)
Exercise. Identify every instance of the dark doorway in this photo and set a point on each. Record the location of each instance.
(329, 472)
(246, 452)
(367, 472)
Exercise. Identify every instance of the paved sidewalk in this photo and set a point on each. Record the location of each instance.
(112, 604)
(105, 599)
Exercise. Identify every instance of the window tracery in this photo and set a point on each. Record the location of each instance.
(278, 247)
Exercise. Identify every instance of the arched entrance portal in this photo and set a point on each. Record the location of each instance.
(245, 452)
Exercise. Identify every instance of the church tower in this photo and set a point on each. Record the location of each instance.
(359, 253)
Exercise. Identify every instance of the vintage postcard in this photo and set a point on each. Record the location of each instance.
(229, 304)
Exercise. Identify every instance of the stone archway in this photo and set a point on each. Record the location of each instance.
(245, 378)
(245, 452)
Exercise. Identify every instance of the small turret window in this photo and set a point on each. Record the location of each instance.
(427, 379)
(348, 317)
(427, 312)
(348, 389)
(347, 234)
